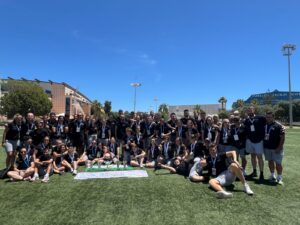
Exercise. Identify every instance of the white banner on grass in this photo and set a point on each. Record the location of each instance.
(111, 174)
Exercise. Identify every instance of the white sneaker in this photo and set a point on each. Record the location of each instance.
(272, 178)
(279, 181)
(74, 172)
(224, 194)
(45, 179)
(247, 189)
(34, 178)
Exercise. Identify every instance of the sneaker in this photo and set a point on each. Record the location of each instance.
(261, 178)
(253, 174)
(141, 165)
(279, 181)
(272, 179)
(224, 194)
(247, 189)
(74, 172)
(34, 178)
(45, 179)
(27, 178)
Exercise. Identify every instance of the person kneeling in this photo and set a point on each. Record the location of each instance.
(224, 175)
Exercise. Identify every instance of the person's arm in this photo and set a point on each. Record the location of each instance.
(281, 142)
(47, 162)
(4, 135)
(141, 155)
(171, 169)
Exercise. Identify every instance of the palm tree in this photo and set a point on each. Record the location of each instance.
(163, 109)
(223, 102)
(240, 103)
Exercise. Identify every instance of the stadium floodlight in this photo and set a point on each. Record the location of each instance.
(287, 50)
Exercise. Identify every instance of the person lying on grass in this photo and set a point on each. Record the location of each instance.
(224, 168)
(70, 161)
(24, 168)
(137, 156)
(184, 166)
(43, 166)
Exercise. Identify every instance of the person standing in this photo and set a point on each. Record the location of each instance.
(11, 140)
(255, 132)
(273, 146)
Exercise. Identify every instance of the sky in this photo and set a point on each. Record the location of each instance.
(182, 51)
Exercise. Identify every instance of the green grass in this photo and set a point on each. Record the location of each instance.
(159, 199)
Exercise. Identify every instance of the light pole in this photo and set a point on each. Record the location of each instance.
(135, 85)
(287, 51)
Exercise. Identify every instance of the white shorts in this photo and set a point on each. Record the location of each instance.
(226, 178)
(11, 145)
(196, 170)
(255, 148)
(272, 155)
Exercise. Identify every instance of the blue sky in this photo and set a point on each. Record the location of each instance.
(183, 52)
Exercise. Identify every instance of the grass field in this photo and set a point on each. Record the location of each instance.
(159, 199)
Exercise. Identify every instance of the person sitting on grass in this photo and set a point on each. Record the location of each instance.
(70, 160)
(106, 157)
(137, 156)
(153, 153)
(58, 155)
(224, 175)
(24, 168)
(43, 166)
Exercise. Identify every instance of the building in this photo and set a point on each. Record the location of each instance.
(208, 108)
(65, 99)
(273, 97)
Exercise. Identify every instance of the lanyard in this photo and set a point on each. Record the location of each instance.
(193, 146)
(251, 120)
(94, 150)
(225, 132)
(71, 157)
(267, 131)
(26, 161)
(152, 151)
(236, 130)
(178, 149)
(214, 161)
(166, 147)
(162, 128)
(179, 131)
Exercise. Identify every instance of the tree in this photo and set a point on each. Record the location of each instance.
(223, 102)
(223, 114)
(254, 102)
(96, 109)
(24, 97)
(107, 107)
(163, 109)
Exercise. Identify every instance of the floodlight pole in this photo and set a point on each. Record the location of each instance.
(135, 85)
(287, 51)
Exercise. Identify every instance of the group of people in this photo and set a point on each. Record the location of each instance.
(198, 147)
